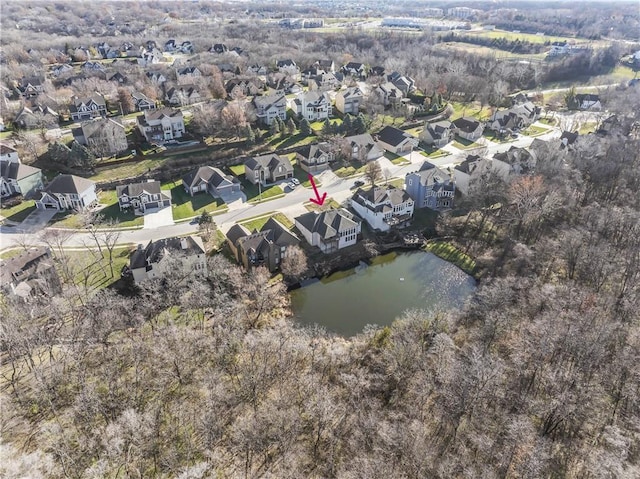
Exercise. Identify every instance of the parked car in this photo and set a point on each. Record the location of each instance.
(295, 181)
(291, 185)
(358, 183)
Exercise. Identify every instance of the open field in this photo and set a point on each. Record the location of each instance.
(473, 110)
(488, 51)
(529, 37)
(127, 170)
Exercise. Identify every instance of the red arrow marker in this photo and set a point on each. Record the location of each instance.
(318, 200)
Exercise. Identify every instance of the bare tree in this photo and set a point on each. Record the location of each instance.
(294, 263)
(373, 172)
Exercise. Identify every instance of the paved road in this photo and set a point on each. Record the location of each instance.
(291, 204)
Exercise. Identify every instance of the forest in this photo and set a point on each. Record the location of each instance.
(536, 377)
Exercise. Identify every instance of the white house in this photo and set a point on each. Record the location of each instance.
(67, 192)
(588, 101)
(330, 230)
(159, 257)
(142, 196)
(383, 208)
(161, 125)
(269, 107)
(313, 105)
(15, 177)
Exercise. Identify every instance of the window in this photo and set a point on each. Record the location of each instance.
(410, 182)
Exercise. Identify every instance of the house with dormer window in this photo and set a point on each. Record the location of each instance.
(313, 106)
(67, 192)
(161, 125)
(430, 187)
(383, 208)
(87, 108)
(142, 196)
(349, 100)
(314, 159)
(268, 169)
(269, 107)
(329, 230)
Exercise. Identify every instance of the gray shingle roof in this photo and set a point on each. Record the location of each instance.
(136, 189)
(156, 250)
(69, 184)
(393, 136)
(206, 174)
(329, 223)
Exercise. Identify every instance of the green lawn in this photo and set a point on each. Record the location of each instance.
(549, 121)
(185, 206)
(587, 127)
(473, 110)
(431, 152)
(329, 204)
(345, 171)
(258, 222)
(97, 268)
(127, 170)
(317, 125)
(290, 141)
(400, 161)
(490, 135)
(534, 131)
(237, 170)
(463, 144)
(19, 212)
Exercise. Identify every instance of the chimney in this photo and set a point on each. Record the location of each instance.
(183, 243)
(139, 247)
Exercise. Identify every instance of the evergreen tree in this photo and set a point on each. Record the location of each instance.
(291, 126)
(274, 129)
(305, 127)
(360, 124)
(347, 124)
(327, 128)
(250, 136)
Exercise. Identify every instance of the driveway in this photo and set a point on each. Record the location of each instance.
(157, 217)
(37, 220)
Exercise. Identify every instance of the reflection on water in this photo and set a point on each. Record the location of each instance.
(347, 301)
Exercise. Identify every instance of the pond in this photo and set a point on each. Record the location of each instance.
(347, 301)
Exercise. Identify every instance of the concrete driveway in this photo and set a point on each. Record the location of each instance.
(157, 217)
(37, 220)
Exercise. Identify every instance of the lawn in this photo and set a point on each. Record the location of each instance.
(317, 125)
(549, 121)
(237, 170)
(19, 212)
(329, 204)
(473, 110)
(127, 170)
(400, 161)
(185, 206)
(289, 141)
(431, 152)
(463, 144)
(529, 37)
(89, 264)
(490, 135)
(587, 127)
(533, 130)
(347, 171)
(258, 222)
(253, 192)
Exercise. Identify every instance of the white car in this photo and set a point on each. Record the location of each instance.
(295, 181)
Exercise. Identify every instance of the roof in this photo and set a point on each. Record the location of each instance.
(329, 223)
(313, 151)
(380, 196)
(96, 98)
(270, 162)
(69, 184)
(467, 124)
(439, 128)
(206, 174)
(160, 113)
(267, 101)
(156, 250)
(582, 97)
(22, 266)
(430, 174)
(6, 149)
(393, 136)
(136, 189)
(236, 232)
(97, 127)
(16, 171)
(316, 97)
(469, 164)
(351, 92)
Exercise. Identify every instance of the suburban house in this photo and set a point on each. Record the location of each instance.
(588, 101)
(37, 116)
(161, 125)
(325, 81)
(183, 95)
(238, 87)
(383, 207)
(117, 77)
(356, 70)
(29, 273)
(405, 84)
(567, 139)
(396, 141)
(187, 74)
(210, 180)
(170, 45)
(30, 87)
(514, 118)
(267, 169)
(314, 159)
(142, 102)
(16, 178)
(256, 69)
(142, 196)
(289, 68)
(87, 108)
(519, 161)
(329, 230)
(390, 93)
(558, 49)
(267, 247)
(438, 133)
(475, 166)
(326, 65)
(104, 136)
(186, 254)
(364, 148)
(430, 187)
(528, 111)
(468, 128)
(269, 107)
(349, 100)
(313, 105)
(186, 47)
(156, 77)
(67, 192)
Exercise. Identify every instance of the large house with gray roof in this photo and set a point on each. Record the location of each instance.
(364, 148)
(86, 108)
(67, 192)
(15, 177)
(164, 124)
(396, 141)
(154, 261)
(211, 180)
(349, 100)
(430, 187)
(29, 273)
(267, 247)
(438, 133)
(329, 230)
(270, 107)
(314, 159)
(383, 207)
(142, 196)
(104, 136)
(267, 169)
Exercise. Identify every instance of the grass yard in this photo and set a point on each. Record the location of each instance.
(127, 170)
(431, 152)
(490, 135)
(19, 212)
(473, 110)
(290, 141)
(401, 161)
(94, 270)
(329, 204)
(237, 170)
(448, 252)
(258, 222)
(253, 192)
(345, 171)
(587, 127)
(185, 206)
(383, 120)
(549, 121)
(317, 125)
(463, 144)
(533, 130)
